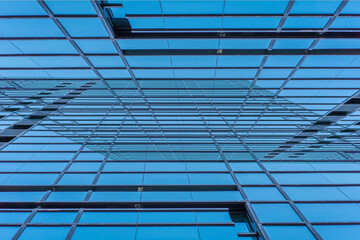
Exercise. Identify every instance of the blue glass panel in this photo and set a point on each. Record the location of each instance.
(210, 178)
(120, 179)
(141, 7)
(7, 47)
(109, 217)
(114, 73)
(213, 217)
(343, 22)
(149, 61)
(66, 196)
(54, 217)
(303, 23)
(284, 213)
(288, 232)
(315, 193)
(335, 232)
(214, 233)
(194, 61)
(70, 7)
(166, 196)
(42, 233)
(13, 217)
(249, 23)
(84, 27)
(167, 217)
(93, 233)
(315, 7)
(330, 212)
(282, 61)
(166, 179)
(193, 23)
(96, 46)
(263, 193)
(293, 43)
(143, 44)
(338, 43)
(275, 73)
(77, 179)
(193, 43)
(253, 178)
(8, 232)
(239, 61)
(28, 7)
(85, 167)
(252, 7)
(166, 233)
(192, 7)
(235, 73)
(244, 43)
(147, 23)
(108, 61)
(115, 196)
(217, 196)
(352, 7)
(29, 28)
(21, 196)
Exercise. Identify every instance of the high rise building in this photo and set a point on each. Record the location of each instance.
(179, 120)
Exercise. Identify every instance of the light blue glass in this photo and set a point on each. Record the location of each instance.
(42, 233)
(193, 61)
(253, 178)
(149, 61)
(335, 232)
(115, 73)
(104, 233)
(213, 217)
(29, 28)
(166, 179)
(120, 179)
(222, 196)
(96, 46)
(166, 233)
(109, 217)
(54, 217)
(330, 212)
(342, 22)
(305, 23)
(13, 217)
(338, 43)
(164, 166)
(353, 6)
(235, 73)
(214, 233)
(77, 179)
(193, 23)
(289, 232)
(276, 213)
(244, 43)
(250, 23)
(127, 44)
(210, 166)
(293, 43)
(263, 193)
(166, 196)
(84, 167)
(210, 178)
(245, 166)
(192, 7)
(124, 167)
(300, 178)
(239, 61)
(166, 217)
(84, 27)
(141, 7)
(28, 7)
(193, 43)
(255, 7)
(282, 61)
(21, 196)
(315, 193)
(8, 232)
(66, 196)
(147, 23)
(315, 7)
(71, 7)
(30, 179)
(115, 196)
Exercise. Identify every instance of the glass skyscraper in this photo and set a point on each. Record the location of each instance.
(180, 120)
